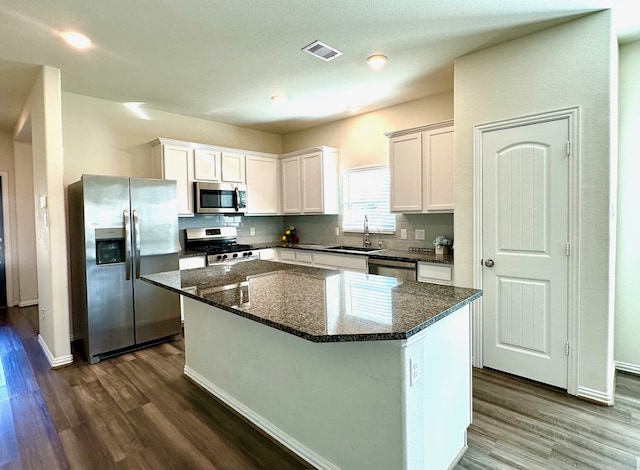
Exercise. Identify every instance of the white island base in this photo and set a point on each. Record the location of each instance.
(395, 404)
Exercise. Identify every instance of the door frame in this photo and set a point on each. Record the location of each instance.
(8, 243)
(573, 319)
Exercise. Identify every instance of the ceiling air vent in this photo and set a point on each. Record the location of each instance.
(322, 51)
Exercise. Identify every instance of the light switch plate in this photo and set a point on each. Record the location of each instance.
(419, 234)
(403, 234)
(252, 231)
(337, 231)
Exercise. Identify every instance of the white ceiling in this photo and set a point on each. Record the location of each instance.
(223, 60)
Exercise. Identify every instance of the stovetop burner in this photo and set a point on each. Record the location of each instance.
(220, 245)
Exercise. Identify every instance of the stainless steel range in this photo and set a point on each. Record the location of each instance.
(220, 244)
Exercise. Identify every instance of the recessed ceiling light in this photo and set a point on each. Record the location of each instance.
(376, 61)
(354, 108)
(278, 98)
(75, 39)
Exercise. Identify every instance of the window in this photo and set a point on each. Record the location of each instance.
(366, 191)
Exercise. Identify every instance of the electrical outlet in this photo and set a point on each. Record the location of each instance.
(252, 231)
(337, 231)
(419, 234)
(43, 311)
(415, 369)
(403, 234)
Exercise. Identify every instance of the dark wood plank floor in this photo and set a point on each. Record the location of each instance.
(137, 411)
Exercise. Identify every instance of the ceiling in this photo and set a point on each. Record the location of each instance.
(222, 60)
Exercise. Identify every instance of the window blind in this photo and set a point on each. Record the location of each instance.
(366, 191)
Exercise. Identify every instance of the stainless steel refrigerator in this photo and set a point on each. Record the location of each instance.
(122, 228)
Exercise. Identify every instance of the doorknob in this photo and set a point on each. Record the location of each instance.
(489, 263)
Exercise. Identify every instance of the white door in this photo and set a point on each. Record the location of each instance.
(525, 233)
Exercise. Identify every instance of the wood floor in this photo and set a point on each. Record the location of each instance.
(137, 411)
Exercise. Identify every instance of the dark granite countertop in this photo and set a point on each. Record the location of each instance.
(320, 305)
(385, 253)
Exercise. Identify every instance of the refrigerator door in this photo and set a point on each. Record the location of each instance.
(109, 295)
(154, 213)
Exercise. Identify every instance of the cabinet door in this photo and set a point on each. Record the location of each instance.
(177, 164)
(291, 185)
(312, 183)
(405, 160)
(207, 165)
(438, 170)
(233, 167)
(262, 185)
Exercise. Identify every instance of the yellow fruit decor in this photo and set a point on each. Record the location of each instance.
(290, 237)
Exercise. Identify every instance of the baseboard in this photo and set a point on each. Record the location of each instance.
(627, 367)
(27, 303)
(54, 362)
(278, 434)
(595, 396)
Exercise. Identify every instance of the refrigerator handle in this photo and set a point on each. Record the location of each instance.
(136, 238)
(127, 242)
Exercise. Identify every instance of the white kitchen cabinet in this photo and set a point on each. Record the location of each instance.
(294, 256)
(435, 273)
(421, 162)
(310, 181)
(291, 182)
(207, 164)
(174, 161)
(233, 167)
(192, 262)
(262, 185)
(268, 254)
(340, 261)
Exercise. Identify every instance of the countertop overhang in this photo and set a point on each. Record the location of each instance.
(319, 305)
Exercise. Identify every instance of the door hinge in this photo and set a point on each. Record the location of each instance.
(568, 249)
(568, 149)
(566, 348)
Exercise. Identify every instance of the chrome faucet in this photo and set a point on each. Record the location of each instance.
(365, 233)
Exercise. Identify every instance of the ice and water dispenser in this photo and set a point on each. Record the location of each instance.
(110, 245)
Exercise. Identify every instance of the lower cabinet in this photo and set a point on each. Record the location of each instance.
(268, 254)
(320, 259)
(435, 273)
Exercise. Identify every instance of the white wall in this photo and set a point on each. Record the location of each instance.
(104, 137)
(27, 280)
(568, 65)
(627, 332)
(361, 139)
(41, 123)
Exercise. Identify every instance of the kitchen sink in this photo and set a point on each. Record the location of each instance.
(352, 248)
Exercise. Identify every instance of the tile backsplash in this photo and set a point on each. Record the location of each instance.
(320, 229)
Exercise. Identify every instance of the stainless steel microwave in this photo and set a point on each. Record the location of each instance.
(220, 198)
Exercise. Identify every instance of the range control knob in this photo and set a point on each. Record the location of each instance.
(224, 256)
(235, 255)
(219, 257)
(249, 254)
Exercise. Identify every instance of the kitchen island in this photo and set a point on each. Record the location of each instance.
(346, 369)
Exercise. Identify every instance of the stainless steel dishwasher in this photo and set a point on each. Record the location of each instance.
(394, 268)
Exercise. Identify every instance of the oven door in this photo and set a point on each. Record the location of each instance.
(220, 198)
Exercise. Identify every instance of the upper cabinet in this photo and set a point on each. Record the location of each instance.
(421, 162)
(233, 167)
(173, 160)
(207, 164)
(263, 185)
(310, 181)
(187, 162)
